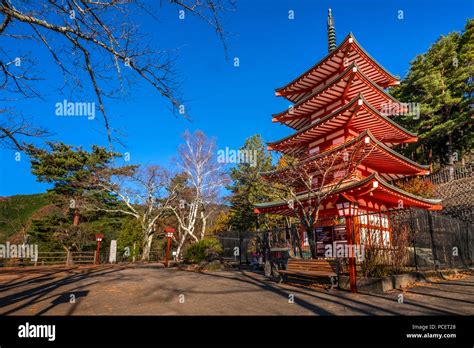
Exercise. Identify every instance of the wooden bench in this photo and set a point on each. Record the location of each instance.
(307, 270)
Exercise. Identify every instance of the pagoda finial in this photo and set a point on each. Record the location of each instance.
(331, 32)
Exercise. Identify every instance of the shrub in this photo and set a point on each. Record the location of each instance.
(419, 187)
(206, 249)
(130, 235)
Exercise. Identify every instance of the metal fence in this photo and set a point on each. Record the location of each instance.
(241, 246)
(445, 175)
(404, 238)
(435, 240)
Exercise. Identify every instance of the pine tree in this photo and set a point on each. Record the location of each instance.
(440, 81)
(70, 171)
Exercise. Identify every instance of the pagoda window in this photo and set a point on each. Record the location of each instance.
(374, 229)
(314, 150)
(338, 140)
(339, 174)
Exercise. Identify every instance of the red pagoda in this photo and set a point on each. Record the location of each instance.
(337, 104)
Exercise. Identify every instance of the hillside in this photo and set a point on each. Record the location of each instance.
(16, 212)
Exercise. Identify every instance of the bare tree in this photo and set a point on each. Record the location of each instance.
(15, 128)
(143, 195)
(94, 44)
(195, 196)
(304, 184)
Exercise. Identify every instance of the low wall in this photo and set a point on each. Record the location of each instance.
(398, 281)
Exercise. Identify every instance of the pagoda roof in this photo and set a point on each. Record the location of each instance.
(373, 186)
(349, 50)
(388, 163)
(347, 85)
(359, 115)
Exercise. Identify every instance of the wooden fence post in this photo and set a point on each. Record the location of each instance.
(68, 258)
(433, 243)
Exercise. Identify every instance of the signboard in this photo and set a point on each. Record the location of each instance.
(113, 251)
(340, 232)
(324, 236)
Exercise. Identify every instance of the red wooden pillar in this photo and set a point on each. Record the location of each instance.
(352, 263)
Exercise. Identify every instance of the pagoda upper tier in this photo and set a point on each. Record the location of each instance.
(321, 73)
(357, 115)
(325, 99)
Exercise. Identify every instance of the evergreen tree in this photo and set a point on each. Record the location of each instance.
(248, 187)
(440, 81)
(70, 170)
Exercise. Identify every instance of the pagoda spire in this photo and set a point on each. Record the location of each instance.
(331, 32)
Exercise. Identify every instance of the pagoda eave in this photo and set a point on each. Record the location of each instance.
(348, 85)
(372, 188)
(359, 114)
(379, 157)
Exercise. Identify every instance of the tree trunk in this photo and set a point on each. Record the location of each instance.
(75, 220)
(204, 222)
(312, 242)
(450, 157)
(180, 247)
(147, 248)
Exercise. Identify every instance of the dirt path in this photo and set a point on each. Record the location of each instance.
(148, 290)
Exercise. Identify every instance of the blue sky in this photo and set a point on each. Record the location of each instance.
(232, 103)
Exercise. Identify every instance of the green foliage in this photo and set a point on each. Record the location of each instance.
(441, 81)
(43, 230)
(130, 234)
(74, 173)
(54, 232)
(248, 187)
(206, 249)
(221, 223)
(68, 168)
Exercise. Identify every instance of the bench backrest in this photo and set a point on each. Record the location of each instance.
(311, 265)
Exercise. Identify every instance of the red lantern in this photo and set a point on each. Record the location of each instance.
(98, 238)
(169, 231)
